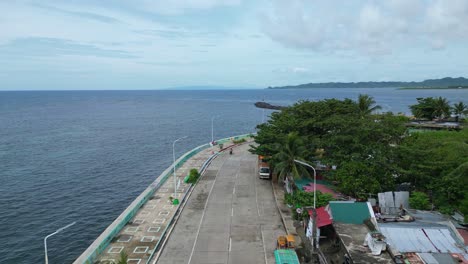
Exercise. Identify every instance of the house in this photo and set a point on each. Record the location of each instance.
(431, 238)
(351, 228)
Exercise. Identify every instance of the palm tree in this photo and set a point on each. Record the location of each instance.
(366, 105)
(293, 148)
(460, 109)
(441, 108)
(123, 258)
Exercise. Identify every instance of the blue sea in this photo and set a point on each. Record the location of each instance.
(85, 155)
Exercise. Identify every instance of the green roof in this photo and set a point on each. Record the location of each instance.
(286, 256)
(349, 212)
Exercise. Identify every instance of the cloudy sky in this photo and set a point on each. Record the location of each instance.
(154, 44)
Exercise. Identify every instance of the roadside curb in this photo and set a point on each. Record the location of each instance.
(279, 209)
(288, 222)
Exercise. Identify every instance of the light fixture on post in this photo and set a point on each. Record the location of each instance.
(175, 201)
(54, 233)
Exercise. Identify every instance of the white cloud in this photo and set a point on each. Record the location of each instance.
(293, 70)
(180, 6)
(371, 27)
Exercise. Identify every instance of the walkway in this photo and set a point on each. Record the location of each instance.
(231, 216)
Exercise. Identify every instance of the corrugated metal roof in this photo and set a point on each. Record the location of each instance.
(349, 212)
(444, 258)
(414, 258)
(443, 240)
(428, 258)
(407, 239)
(421, 240)
(323, 218)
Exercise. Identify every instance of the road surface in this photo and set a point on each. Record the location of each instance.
(231, 216)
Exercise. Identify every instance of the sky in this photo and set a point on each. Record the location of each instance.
(153, 44)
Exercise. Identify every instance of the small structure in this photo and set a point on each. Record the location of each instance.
(431, 237)
(322, 219)
(355, 226)
(376, 242)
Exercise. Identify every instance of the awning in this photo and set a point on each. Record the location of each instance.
(323, 218)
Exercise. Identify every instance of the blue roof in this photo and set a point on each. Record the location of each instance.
(286, 256)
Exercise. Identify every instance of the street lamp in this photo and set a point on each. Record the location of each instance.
(212, 129)
(315, 175)
(314, 217)
(54, 233)
(173, 156)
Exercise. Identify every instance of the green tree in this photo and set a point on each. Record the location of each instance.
(366, 105)
(292, 149)
(441, 108)
(436, 161)
(460, 110)
(359, 179)
(424, 108)
(419, 200)
(430, 108)
(336, 128)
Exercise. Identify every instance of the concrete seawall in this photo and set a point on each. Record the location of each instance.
(139, 229)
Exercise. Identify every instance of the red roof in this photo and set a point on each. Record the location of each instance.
(464, 234)
(320, 187)
(323, 218)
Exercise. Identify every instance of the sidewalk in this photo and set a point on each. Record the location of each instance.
(285, 212)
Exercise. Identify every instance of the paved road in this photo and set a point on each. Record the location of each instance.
(231, 216)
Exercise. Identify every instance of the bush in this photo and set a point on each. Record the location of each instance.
(238, 141)
(301, 199)
(419, 200)
(193, 176)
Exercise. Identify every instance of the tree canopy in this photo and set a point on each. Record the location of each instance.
(430, 108)
(372, 152)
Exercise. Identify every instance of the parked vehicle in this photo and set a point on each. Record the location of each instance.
(264, 171)
(286, 256)
(285, 242)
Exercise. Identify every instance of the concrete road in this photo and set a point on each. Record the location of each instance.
(231, 216)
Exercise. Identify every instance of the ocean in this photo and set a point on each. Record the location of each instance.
(84, 156)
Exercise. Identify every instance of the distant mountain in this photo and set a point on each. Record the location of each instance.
(431, 83)
(206, 87)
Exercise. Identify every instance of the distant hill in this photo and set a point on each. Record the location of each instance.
(447, 82)
(206, 87)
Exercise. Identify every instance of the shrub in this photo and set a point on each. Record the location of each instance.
(193, 176)
(301, 199)
(238, 141)
(419, 200)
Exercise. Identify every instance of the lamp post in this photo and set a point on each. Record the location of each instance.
(175, 177)
(54, 233)
(314, 217)
(212, 129)
(315, 176)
